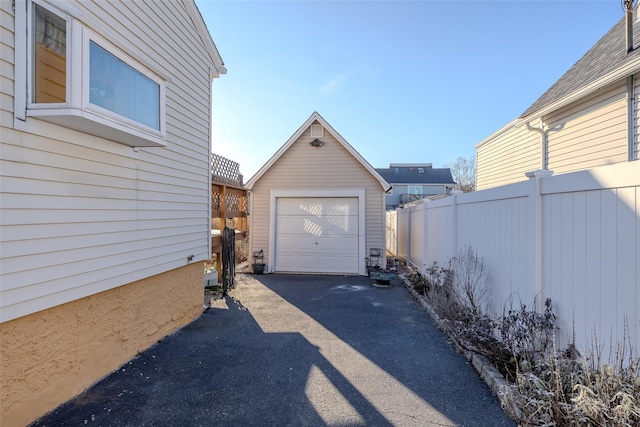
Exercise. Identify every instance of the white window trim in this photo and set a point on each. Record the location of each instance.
(77, 113)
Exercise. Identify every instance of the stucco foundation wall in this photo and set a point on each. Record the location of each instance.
(50, 356)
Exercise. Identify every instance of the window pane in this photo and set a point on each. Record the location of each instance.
(413, 189)
(118, 87)
(49, 56)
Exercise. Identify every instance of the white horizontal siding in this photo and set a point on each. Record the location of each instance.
(81, 214)
(6, 64)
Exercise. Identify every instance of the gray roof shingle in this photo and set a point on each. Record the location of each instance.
(607, 55)
(410, 175)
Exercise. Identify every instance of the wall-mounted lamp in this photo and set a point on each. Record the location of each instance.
(316, 143)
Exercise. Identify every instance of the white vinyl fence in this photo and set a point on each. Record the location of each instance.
(574, 238)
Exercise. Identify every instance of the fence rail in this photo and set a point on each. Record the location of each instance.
(574, 238)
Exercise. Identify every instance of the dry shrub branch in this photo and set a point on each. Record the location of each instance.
(553, 387)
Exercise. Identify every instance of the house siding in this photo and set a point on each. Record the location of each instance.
(400, 189)
(6, 64)
(94, 235)
(81, 214)
(595, 133)
(303, 167)
(48, 357)
(505, 159)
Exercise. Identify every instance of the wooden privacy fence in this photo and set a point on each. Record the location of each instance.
(574, 238)
(229, 206)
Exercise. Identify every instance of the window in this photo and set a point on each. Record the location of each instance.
(111, 95)
(414, 189)
(49, 57)
(420, 170)
(121, 89)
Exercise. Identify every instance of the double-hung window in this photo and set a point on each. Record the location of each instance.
(83, 79)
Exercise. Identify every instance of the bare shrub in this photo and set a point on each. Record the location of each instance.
(554, 387)
(470, 280)
(565, 392)
(527, 333)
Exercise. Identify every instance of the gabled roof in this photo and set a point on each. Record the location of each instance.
(608, 55)
(203, 32)
(410, 175)
(313, 118)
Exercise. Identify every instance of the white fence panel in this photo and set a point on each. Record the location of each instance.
(392, 232)
(417, 238)
(439, 232)
(591, 246)
(574, 238)
(403, 233)
(500, 231)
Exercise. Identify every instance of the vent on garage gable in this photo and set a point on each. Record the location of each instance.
(317, 131)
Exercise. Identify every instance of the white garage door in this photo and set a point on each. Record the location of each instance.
(317, 235)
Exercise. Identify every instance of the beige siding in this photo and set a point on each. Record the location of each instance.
(316, 168)
(595, 133)
(506, 159)
(81, 214)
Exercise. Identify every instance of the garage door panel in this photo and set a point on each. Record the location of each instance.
(297, 262)
(335, 264)
(295, 243)
(343, 245)
(333, 226)
(317, 235)
(318, 206)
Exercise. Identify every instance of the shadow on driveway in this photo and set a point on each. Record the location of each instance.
(290, 350)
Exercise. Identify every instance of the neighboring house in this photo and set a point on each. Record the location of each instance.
(588, 118)
(414, 181)
(317, 206)
(105, 186)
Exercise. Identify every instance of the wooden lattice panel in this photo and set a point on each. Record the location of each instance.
(225, 171)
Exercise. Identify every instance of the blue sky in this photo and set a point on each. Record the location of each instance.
(401, 81)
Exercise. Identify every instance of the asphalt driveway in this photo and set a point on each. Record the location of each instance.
(289, 350)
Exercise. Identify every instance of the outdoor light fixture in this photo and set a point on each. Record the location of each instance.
(316, 143)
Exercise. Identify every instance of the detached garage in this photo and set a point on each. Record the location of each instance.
(317, 206)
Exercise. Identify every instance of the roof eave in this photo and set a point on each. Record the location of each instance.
(217, 63)
(623, 72)
(317, 117)
(626, 70)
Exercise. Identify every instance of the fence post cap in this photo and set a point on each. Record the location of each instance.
(540, 173)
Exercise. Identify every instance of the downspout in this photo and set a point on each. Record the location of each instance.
(544, 139)
(630, 118)
(628, 6)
